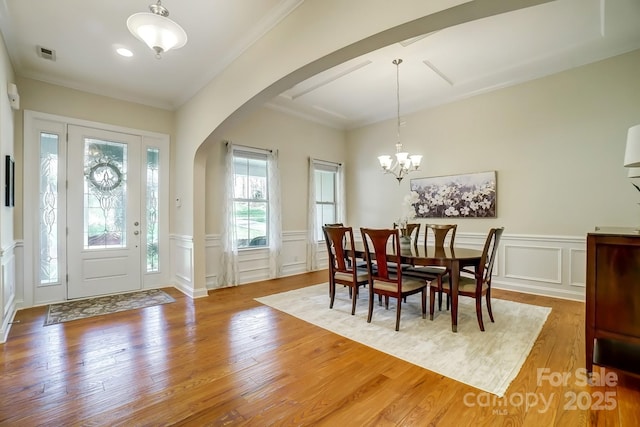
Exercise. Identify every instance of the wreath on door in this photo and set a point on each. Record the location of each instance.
(105, 176)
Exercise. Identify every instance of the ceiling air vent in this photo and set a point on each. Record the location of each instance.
(45, 53)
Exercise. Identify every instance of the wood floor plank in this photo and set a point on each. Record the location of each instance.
(228, 360)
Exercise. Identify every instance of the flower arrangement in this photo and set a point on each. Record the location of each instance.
(408, 212)
(402, 225)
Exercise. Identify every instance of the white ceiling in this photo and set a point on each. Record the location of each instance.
(437, 68)
(86, 33)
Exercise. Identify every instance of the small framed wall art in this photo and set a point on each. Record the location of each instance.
(9, 181)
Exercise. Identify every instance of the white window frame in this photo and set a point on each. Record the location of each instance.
(261, 155)
(319, 167)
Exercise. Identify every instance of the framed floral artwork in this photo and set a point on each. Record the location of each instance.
(470, 195)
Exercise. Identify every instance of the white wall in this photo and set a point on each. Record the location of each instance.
(85, 108)
(7, 214)
(316, 36)
(52, 99)
(557, 144)
(296, 140)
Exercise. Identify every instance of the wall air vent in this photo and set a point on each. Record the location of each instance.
(45, 53)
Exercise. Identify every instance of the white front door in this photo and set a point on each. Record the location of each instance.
(104, 212)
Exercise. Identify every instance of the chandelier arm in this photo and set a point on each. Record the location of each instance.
(400, 174)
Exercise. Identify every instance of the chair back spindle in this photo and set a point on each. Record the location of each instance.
(376, 242)
(440, 232)
(335, 237)
(489, 254)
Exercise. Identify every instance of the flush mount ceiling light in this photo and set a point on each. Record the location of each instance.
(156, 30)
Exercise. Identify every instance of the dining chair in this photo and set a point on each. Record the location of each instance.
(383, 246)
(479, 284)
(360, 263)
(439, 233)
(341, 270)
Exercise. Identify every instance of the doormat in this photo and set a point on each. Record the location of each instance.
(82, 309)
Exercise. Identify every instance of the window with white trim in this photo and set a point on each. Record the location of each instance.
(250, 198)
(326, 181)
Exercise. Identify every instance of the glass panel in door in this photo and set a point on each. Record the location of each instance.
(103, 240)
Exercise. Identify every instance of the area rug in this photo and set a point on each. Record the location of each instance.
(487, 360)
(81, 309)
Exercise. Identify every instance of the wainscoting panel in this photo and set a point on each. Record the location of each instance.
(8, 283)
(544, 265)
(182, 256)
(536, 263)
(253, 264)
(578, 269)
(7, 290)
(213, 255)
(294, 252)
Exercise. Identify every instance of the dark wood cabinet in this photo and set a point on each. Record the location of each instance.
(613, 300)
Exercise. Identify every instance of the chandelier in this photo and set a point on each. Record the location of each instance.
(403, 162)
(156, 30)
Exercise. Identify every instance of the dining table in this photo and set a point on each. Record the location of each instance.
(454, 258)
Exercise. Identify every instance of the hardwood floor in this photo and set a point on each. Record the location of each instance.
(228, 360)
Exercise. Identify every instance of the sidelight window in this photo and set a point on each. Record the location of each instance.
(49, 214)
(153, 186)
